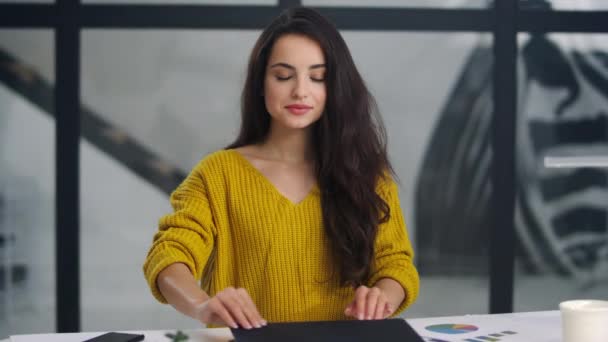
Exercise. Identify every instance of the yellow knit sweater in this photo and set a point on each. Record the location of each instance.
(232, 227)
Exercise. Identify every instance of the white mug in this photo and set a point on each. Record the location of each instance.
(584, 320)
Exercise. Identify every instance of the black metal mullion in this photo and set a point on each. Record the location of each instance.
(257, 17)
(409, 19)
(27, 15)
(502, 234)
(562, 21)
(176, 16)
(67, 177)
(248, 17)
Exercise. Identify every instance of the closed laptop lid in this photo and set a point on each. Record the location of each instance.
(335, 331)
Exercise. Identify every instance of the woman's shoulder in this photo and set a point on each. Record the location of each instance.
(218, 156)
(217, 161)
(386, 185)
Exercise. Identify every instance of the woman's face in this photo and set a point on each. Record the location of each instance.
(294, 84)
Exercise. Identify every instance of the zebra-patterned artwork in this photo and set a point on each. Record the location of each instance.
(561, 214)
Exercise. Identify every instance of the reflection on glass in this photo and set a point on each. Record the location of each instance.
(156, 101)
(176, 93)
(398, 3)
(565, 5)
(561, 216)
(26, 1)
(27, 183)
(192, 2)
(452, 192)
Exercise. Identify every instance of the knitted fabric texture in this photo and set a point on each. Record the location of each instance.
(232, 227)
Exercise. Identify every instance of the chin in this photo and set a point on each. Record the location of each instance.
(298, 123)
(302, 124)
(297, 126)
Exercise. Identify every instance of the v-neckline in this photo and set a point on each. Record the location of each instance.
(270, 185)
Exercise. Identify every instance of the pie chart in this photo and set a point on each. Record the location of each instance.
(452, 328)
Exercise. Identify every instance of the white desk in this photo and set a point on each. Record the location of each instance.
(542, 326)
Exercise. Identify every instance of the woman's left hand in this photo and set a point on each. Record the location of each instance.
(369, 303)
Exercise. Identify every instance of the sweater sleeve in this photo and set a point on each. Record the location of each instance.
(393, 251)
(185, 236)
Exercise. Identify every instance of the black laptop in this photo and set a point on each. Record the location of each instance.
(335, 331)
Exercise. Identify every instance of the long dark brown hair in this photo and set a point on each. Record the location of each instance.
(349, 141)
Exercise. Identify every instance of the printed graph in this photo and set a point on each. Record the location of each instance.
(455, 329)
(452, 329)
(491, 337)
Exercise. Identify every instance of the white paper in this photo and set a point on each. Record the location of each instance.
(543, 326)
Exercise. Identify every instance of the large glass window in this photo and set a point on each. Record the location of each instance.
(155, 102)
(179, 100)
(564, 5)
(192, 2)
(26, 1)
(561, 217)
(27, 182)
(399, 3)
(437, 111)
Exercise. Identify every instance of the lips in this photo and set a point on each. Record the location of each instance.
(298, 109)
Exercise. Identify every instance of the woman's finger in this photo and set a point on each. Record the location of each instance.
(235, 308)
(216, 308)
(360, 296)
(250, 309)
(371, 302)
(388, 310)
(380, 307)
(350, 309)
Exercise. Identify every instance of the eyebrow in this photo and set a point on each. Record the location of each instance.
(285, 65)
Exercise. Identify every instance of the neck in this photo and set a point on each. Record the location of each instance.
(288, 145)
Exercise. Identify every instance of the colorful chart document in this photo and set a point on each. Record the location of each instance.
(543, 326)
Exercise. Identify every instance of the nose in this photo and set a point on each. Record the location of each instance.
(300, 89)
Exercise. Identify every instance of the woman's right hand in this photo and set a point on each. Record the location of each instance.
(231, 307)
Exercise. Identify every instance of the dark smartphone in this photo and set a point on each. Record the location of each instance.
(117, 337)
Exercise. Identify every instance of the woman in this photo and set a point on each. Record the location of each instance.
(299, 218)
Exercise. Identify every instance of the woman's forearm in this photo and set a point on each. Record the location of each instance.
(180, 289)
(395, 294)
